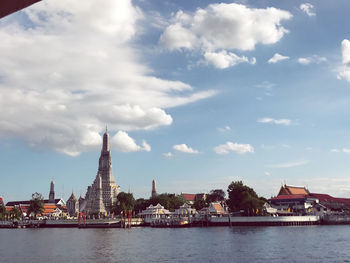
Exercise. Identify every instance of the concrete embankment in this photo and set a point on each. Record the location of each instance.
(335, 219)
(264, 221)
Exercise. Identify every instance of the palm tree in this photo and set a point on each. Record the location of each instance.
(36, 205)
(15, 213)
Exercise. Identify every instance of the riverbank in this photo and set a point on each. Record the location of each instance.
(196, 222)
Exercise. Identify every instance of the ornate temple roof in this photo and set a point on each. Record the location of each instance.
(293, 190)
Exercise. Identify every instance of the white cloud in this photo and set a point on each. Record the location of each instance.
(225, 129)
(289, 164)
(345, 47)
(226, 59)
(334, 150)
(285, 122)
(307, 8)
(311, 60)
(277, 57)
(168, 154)
(267, 174)
(222, 27)
(77, 68)
(122, 142)
(185, 149)
(233, 147)
(266, 85)
(347, 151)
(344, 71)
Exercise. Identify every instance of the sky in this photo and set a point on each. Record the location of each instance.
(195, 94)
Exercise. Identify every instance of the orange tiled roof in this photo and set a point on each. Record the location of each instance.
(293, 190)
(218, 207)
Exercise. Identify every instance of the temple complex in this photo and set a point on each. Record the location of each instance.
(104, 190)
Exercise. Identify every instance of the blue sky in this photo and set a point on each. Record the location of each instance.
(195, 94)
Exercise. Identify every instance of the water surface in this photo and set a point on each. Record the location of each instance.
(213, 244)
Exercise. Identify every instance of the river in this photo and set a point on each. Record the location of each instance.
(211, 244)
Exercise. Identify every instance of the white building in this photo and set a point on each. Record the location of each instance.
(152, 213)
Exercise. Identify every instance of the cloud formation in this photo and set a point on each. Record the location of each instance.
(185, 149)
(285, 122)
(276, 58)
(77, 68)
(344, 72)
(307, 8)
(311, 60)
(122, 142)
(233, 147)
(222, 27)
(226, 59)
(344, 150)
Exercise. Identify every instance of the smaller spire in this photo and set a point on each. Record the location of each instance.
(154, 190)
(106, 129)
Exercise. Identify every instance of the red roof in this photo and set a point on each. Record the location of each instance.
(323, 198)
(328, 198)
(189, 197)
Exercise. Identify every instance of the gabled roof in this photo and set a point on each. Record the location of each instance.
(216, 208)
(293, 190)
(72, 197)
(189, 197)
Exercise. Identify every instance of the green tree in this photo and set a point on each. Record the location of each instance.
(125, 201)
(216, 195)
(199, 204)
(36, 204)
(15, 213)
(141, 204)
(169, 201)
(242, 197)
(3, 212)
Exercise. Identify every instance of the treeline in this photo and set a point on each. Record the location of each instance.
(126, 201)
(241, 198)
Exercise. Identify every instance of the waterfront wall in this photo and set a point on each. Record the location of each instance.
(265, 220)
(335, 219)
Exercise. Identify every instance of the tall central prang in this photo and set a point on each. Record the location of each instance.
(104, 191)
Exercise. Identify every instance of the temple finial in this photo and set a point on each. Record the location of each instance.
(106, 129)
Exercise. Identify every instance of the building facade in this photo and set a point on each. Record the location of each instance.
(102, 194)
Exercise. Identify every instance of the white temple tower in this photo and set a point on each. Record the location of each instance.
(104, 189)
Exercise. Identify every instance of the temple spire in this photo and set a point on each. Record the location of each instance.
(154, 190)
(52, 192)
(105, 146)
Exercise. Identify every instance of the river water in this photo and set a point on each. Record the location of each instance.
(211, 244)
